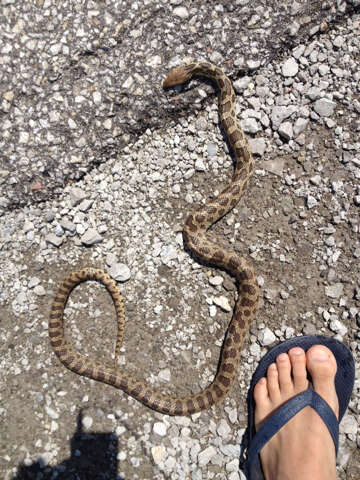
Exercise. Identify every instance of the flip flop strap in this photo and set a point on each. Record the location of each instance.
(285, 413)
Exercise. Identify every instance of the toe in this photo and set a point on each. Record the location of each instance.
(322, 367)
(284, 368)
(298, 369)
(261, 394)
(273, 386)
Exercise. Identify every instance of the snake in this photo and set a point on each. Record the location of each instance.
(196, 240)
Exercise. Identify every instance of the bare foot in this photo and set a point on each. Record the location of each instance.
(303, 449)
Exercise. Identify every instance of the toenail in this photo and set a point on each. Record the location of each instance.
(297, 351)
(282, 357)
(319, 355)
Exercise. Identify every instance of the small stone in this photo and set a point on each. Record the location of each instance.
(338, 327)
(334, 291)
(40, 290)
(51, 413)
(67, 225)
(33, 282)
(54, 239)
(77, 195)
(311, 201)
(168, 253)
(300, 125)
(85, 205)
(181, 12)
(223, 303)
(223, 428)
(324, 107)
(286, 130)
(206, 455)
(316, 180)
(91, 237)
(349, 425)
(211, 149)
(158, 454)
(216, 280)
(200, 165)
(160, 429)
(165, 375)
(250, 125)
(87, 422)
(241, 84)
(257, 146)
(266, 337)
(290, 68)
(120, 272)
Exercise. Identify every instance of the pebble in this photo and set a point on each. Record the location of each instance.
(87, 422)
(158, 454)
(54, 239)
(349, 424)
(77, 195)
(91, 237)
(206, 456)
(181, 12)
(338, 327)
(223, 303)
(120, 272)
(266, 337)
(216, 280)
(334, 291)
(324, 107)
(290, 67)
(223, 428)
(160, 429)
(286, 130)
(311, 201)
(257, 146)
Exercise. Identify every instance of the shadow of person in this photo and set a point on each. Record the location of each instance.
(93, 456)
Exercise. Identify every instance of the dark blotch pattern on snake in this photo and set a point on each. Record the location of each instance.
(195, 238)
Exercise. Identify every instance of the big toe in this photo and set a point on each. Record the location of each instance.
(321, 364)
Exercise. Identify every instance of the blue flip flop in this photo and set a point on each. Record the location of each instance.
(344, 383)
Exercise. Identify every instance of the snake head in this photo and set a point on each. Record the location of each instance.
(177, 76)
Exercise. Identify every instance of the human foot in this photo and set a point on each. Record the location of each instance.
(303, 448)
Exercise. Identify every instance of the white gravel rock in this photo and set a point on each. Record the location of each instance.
(160, 429)
(223, 303)
(120, 272)
(87, 422)
(266, 337)
(349, 425)
(324, 107)
(334, 291)
(91, 237)
(290, 67)
(206, 455)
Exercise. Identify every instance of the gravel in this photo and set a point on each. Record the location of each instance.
(120, 204)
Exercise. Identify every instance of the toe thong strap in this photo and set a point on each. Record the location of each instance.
(285, 413)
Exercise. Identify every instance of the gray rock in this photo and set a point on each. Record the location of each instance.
(77, 195)
(275, 166)
(67, 225)
(206, 455)
(311, 201)
(211, 149)
(200, 165)
(54, 239)
(281, 113)
(160, 429)
(338, 327)
(286, 130)
(349, 425)
(334, 291)
(85, 205)
(241, 84)
(257, 146)
(120, 272)
(181, 12)
(91, 237)
(290, 67)
(168, 253)
(250, 125)
(266, 337)
(223, 428)
(39, 290)
(324, 107)
(300, 125)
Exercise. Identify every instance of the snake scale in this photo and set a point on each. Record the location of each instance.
(194, 235)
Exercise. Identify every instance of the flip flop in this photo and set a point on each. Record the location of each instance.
(344, 383)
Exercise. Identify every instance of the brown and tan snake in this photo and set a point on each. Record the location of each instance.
(195, 238)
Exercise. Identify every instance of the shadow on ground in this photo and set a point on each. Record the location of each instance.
(93, 455)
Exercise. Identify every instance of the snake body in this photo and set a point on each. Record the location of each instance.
(194, 235)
